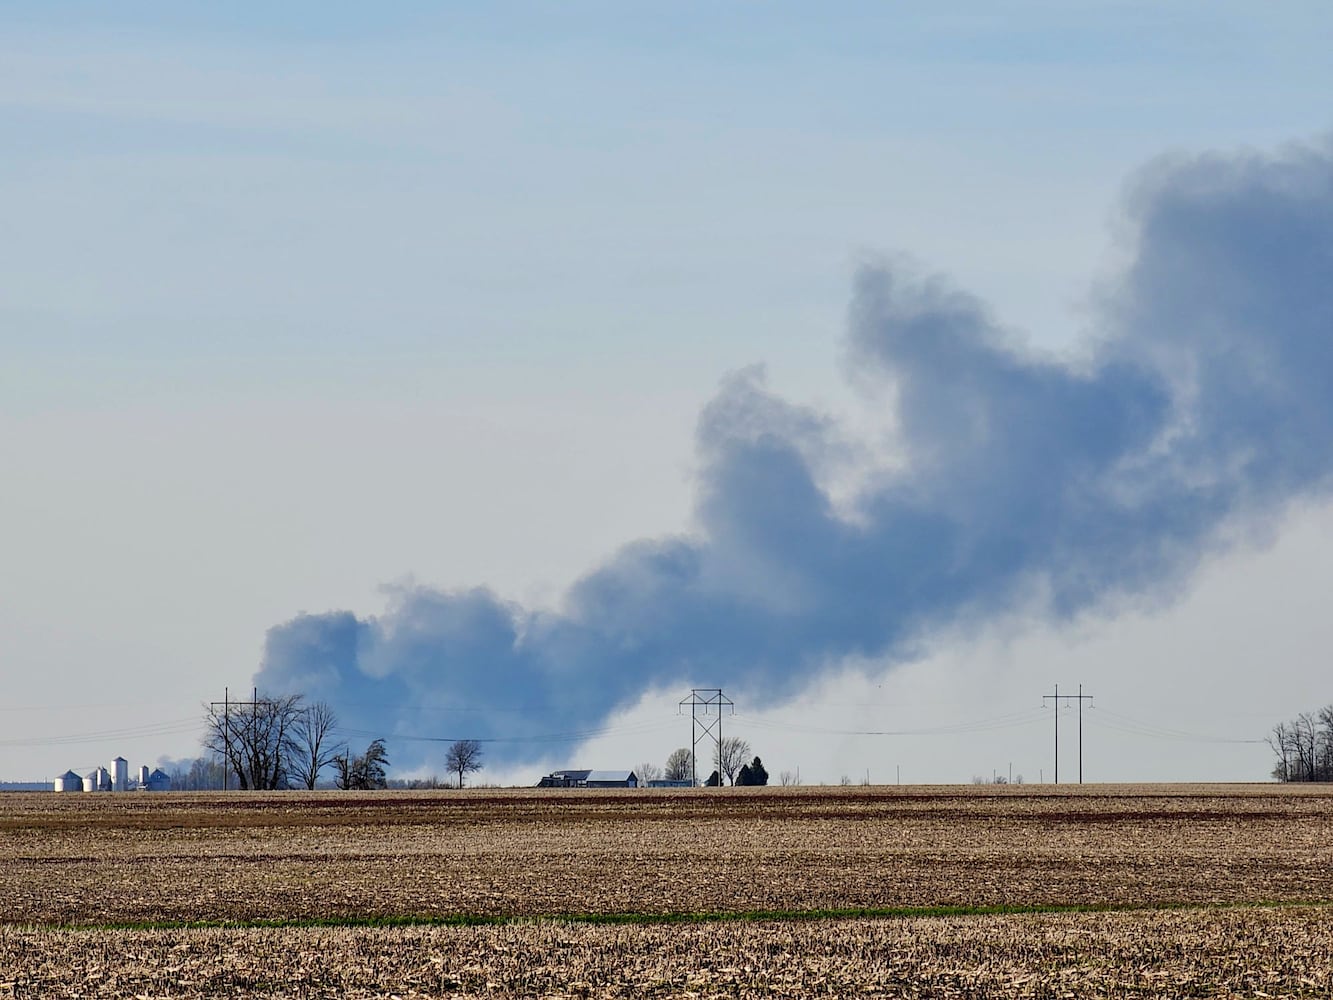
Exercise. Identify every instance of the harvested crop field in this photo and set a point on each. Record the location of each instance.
(1176, 953)
(1216, 890)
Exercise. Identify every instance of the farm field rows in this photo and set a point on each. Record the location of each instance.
(1240, 952)
(93, 889)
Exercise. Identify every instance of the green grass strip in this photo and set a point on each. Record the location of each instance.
(698, 917)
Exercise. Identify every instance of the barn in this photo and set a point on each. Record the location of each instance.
(564, 779)
(612, 779)
(589, 779)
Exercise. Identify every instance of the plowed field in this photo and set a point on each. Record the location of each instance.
(93, 889)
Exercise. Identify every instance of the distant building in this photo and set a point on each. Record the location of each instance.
(158, 781)
(670, 783)
(70, 781)
(564, 779)
(612, 779)
(589, 779)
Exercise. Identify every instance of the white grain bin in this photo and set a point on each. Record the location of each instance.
(69, 782)
(90, 780)
(120, 774)
(143, 777)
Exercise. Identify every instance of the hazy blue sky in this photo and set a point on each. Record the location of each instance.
(300, 303)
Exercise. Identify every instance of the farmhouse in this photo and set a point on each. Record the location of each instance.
(589, 779)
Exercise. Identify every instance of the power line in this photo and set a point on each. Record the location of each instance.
(571, 736)
(1009, 720)
(172, 728)
(1123, 723)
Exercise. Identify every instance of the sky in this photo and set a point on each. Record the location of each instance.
(508, 372)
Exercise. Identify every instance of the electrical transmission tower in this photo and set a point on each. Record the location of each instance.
(705, 727)
(1080, 698)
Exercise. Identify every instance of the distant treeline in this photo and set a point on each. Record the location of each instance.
(1304, 747)
(204, 774)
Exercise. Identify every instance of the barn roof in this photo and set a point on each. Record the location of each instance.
(610, 775)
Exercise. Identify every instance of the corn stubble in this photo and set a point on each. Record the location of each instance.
(1250, 952)
(72, 865)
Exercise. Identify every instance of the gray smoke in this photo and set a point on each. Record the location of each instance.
(1204, 401)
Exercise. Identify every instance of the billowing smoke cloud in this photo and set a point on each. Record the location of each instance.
(1205, 401)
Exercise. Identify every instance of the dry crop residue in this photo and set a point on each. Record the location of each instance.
(1246, 952)
(70, 866)
(99, 859)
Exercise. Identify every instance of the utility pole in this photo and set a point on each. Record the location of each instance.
(1080, 698)
(704, 727)
(1080, 733)
(227, 705)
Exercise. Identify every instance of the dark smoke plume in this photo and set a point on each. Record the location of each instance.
(1206, 401)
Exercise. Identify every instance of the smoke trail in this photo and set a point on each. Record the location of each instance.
(1205, 400)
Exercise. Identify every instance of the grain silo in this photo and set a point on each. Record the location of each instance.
(90, 780)
(143, 777)
(120, 774)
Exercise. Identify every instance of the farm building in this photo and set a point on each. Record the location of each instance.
(589, 779)
(612, 779)
(115, 780)
(564, 779)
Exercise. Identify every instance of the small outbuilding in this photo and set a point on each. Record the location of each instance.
(70, 781)
(158, 781)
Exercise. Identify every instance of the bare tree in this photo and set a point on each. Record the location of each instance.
(257, 739)
(1304, 747)
(730, 756)
(680, 765)
(315, 749)
(1279, 741)
(1326, 743)
(365, 771)
(647, 772)
(464, 756)
(203, 774)
(787, 778)
(1306, 743)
